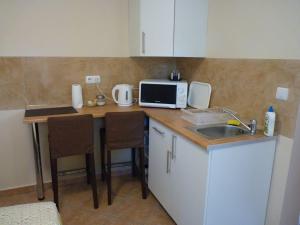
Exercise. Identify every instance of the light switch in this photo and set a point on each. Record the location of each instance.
(282, 94)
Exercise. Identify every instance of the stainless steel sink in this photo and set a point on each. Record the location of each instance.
(220, 131)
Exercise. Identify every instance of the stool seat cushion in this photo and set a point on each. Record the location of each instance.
(43, 213)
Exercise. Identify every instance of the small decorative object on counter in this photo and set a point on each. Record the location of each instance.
(175, 75)
(100, 100)
(269, 122)
(77, 101)
(92, 103)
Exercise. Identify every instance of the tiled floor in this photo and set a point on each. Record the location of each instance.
(128, 207)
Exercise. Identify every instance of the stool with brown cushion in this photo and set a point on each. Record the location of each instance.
(125, 130)
(68, 136)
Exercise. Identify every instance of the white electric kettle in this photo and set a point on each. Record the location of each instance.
(124, 94)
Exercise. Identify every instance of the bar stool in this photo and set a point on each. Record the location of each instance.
(123, 130)
(68, 136)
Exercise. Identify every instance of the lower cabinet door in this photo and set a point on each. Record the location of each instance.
(177, 175)
(189, 182)
(159, 162)
(239, 184)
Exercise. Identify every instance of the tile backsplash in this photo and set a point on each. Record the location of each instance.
(248, 86)
(47, 81)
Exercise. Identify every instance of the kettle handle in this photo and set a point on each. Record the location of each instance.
(113, 93)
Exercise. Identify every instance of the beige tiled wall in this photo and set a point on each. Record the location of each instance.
(249, 86)
(47, 81)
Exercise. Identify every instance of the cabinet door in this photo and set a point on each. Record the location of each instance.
(190, 168)
(190, 28)
(156, 27)
(159, 162)
(239, 183)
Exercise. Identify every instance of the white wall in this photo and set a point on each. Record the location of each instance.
(279, 179)
(254, 29)
(64, 28)
(16, 155)
(236, 28)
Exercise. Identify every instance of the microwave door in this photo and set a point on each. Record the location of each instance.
(158, 94)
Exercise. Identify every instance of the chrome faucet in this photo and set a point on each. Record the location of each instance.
(253, 123)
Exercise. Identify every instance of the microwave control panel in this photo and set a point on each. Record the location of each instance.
(181, 100)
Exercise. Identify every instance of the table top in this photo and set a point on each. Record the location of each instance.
(97, 112)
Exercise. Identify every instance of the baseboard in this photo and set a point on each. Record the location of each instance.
(63, 181)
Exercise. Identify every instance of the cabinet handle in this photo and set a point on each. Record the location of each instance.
(168, 161)
(174, 140)
(158, 131)
(143, 42)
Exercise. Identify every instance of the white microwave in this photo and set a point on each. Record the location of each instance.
(163, 93)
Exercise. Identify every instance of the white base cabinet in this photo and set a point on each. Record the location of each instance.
(228, 185)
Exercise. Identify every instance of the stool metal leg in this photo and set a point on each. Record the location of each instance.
(108, 177)
(93, 179)
(87, 165)
(102, 153)
(142, 172)
(38, 163)
(133, 171)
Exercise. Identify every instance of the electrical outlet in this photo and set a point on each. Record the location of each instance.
(282, 93)
(93, 79)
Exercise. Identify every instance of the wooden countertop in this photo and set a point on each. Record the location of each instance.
(171, 118)
(97, 112)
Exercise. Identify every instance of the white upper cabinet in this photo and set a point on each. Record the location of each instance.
(190, 28)
(167, 28)
(157, 25)
(151, 27)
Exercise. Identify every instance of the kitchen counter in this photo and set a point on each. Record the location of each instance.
(171, 118)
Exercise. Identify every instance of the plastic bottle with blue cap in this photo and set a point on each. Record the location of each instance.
(270, 118)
